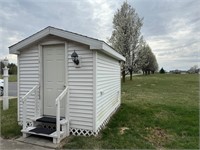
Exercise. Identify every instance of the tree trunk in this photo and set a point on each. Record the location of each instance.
(131, 73)
(130, 69)
(123, 74)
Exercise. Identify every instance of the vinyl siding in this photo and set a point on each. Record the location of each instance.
(108, 87)
(28, 77)
(80, 81)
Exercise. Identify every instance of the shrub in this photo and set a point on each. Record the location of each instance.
(162, 71)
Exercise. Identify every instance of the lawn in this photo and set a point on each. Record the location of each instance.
(9, 125)
(11, 78)
(157, 111)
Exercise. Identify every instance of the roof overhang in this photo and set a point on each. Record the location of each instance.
(94, 44)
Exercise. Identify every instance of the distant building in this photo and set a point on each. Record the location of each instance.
(178, 71)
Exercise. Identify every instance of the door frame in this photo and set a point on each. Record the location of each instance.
(41, 77)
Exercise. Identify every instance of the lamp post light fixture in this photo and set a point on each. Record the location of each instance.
(5, 77)
(5, 62)
(75, 58)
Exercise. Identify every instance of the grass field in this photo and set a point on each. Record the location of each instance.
(157, 111)
(11, 78)
(9, 125)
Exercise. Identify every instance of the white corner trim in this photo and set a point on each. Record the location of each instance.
(18, 98)
(94, 90)
(66, 80)
(66, 64)
(120, 84)
(40, 55)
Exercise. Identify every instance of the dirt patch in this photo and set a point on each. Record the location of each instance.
(158, 137)
(123, 129)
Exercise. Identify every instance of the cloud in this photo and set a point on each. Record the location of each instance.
(20, 19)
(172, 28)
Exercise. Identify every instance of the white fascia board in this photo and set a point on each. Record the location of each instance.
(92, 43)
(110, 51)
(14, 48)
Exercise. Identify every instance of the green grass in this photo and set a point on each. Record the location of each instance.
(12, 78)
(158, 111)
(9, 125)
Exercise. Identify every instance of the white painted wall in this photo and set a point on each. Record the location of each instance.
(108, 87)
(80, 82)
(28, 78)
(105, 97)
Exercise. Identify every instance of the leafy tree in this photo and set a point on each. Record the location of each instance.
(162, 71)
(141, 61)
(12, 68)
(193, 69)
(153, 65)
(145, 60)
(125, 36)
(1, 67)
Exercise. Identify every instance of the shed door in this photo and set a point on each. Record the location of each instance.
(53, 77)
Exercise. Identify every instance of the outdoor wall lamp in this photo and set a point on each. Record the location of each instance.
(74, 57)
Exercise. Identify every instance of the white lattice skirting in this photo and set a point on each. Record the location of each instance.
(83, 132)
(80, 132)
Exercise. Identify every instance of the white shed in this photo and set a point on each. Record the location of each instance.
(67, 83)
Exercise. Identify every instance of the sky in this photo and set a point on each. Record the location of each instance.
(170, 27)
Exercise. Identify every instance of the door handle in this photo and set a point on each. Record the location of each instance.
(64, 86)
